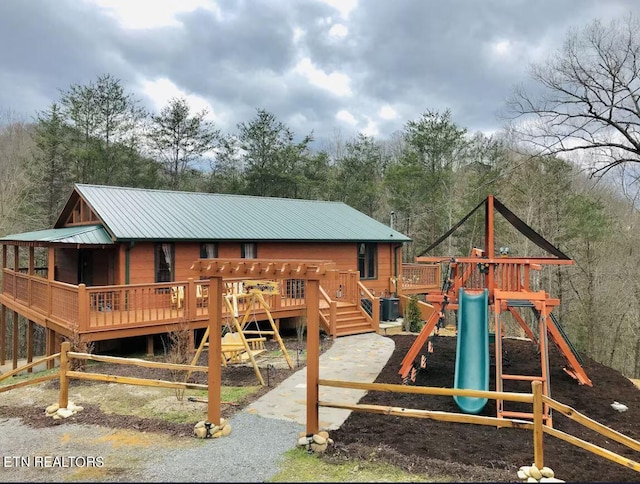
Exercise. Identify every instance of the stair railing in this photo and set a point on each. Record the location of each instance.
(369, 306)
(329, 323)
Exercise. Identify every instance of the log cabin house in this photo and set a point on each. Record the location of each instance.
(118, 262)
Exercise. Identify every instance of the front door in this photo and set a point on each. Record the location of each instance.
(85, 267)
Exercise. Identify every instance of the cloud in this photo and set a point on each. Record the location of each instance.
(161, 91)
(147, 14)
(339, 31)
(336, 82)
(346, 116)
(387, 112)
(378, 63)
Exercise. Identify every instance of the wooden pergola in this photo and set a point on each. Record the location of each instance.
(311, 271)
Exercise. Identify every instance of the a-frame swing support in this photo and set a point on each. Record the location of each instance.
(255, 296)
(309, 271)
(507, 281)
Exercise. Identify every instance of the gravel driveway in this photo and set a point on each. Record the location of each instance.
(94, 453)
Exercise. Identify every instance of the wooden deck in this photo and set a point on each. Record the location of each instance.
(110, 312)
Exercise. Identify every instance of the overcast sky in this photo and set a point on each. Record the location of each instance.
(318, 65)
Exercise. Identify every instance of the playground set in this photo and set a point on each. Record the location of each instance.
(240, 342)
(481, 284)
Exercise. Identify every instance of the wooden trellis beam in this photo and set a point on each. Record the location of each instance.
(297, 269)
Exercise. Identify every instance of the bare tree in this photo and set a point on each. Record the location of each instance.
(590, 97)
(16, 147)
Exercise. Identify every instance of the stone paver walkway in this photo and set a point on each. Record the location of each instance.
(355, 358)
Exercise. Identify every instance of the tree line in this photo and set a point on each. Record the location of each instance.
(422, 179)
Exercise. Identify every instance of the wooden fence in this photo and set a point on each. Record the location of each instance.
(535, 398)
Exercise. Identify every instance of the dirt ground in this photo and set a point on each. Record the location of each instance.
(453, 451)
(417, 443)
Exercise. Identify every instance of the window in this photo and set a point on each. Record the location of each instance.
(164, 257)
(249, 250)
(367, 260)
(208, 250)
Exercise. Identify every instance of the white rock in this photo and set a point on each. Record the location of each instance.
(531, 479)
(56, 417)
(550, 479)
(522, 475)
(303, 441)
(319, 448)
(547, 472)
(330, 441)
(200, 432)
(620, 407)
(535, 472)
(318, 439)
(526, 470)
(64, 412)
(51, 409)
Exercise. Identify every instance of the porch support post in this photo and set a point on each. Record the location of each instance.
(50, 345)
(16, 258)
(150, 349)
(313, 354)
(3, 331)
(51, 264)
(4, 256)
(32, 258)
(214, 379)
(15, 339)
(29, 344)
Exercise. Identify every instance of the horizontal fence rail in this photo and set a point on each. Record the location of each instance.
(535, 398)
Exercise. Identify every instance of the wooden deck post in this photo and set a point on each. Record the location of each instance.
(51, 264)
(3, 332)
(538, 432)
(50, 345)
(83, 308)
(375, 313)
(63, 398)
(313, 354)
(214, 380)
(150, 349)
(14, 345)
(30, 344)
(191, 300)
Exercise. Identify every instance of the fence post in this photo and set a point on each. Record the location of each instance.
(538, 432)
(63, 399)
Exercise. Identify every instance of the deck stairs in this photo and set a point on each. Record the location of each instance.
(349, 320)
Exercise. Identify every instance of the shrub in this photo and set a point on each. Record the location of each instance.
(413, 318)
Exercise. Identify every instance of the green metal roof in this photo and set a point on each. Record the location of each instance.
(136, 214)
(85, 234)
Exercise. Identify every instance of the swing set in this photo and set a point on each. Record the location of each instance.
(240, 342)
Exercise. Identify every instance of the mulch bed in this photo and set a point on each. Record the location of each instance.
(429, 445)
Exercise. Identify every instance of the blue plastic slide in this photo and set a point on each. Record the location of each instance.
(472, 353)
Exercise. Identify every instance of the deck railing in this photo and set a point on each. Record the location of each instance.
(102, 308)
(105, 308)
(419, 278)
(507, 276)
